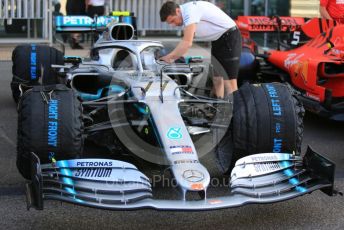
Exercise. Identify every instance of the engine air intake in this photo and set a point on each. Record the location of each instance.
(122, 31)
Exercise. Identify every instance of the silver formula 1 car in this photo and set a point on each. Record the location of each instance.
(155, 120)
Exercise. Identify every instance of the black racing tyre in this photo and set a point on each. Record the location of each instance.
(224, 151)
(49, 125)
(267, 118)
(32, 66)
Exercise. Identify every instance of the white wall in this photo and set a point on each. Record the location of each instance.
(305, 8)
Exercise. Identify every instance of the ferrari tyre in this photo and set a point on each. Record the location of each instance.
(249, 67)
(32, 66)
(266, 118)
(49, 125)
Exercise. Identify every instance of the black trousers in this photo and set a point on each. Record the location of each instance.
(76, 7)
(225, 54)
(95, 10)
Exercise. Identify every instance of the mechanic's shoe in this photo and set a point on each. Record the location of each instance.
(213, 95)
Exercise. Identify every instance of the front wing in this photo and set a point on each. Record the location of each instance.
(117, 185)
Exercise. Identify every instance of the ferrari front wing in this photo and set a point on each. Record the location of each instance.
(118, 185)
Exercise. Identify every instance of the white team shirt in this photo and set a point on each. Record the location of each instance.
(96, 2)
(211, 21)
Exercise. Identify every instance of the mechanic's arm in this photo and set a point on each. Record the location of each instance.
(324, 13)
(183, 46)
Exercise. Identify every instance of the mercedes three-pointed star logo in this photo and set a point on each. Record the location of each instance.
(193, 175)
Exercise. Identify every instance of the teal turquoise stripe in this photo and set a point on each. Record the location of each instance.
(65, 171)
(292, 181)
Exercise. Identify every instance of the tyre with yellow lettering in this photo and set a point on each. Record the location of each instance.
(49, 125)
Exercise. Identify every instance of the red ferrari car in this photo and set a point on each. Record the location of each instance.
(312, 62)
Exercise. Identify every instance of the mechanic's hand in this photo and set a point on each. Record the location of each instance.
(167, 59)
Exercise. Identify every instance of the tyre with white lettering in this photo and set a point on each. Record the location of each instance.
(49, 125)
(32, 66)
(267, 118)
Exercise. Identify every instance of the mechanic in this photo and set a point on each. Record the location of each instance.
(332, 9)
(207, 22)
(76, 7)
(95, 7)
